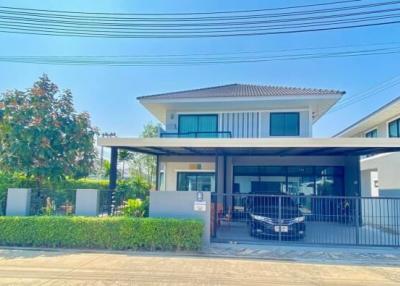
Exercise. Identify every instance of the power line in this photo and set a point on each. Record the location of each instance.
(110, 16)
(206, 59)
(53, 23)
(184, 13)
(193, 26)
(367, 92)
(162, 35)
(360, 97)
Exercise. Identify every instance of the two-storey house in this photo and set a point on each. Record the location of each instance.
(380, 172)
(244, 142)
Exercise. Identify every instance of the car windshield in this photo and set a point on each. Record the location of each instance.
(269, 206)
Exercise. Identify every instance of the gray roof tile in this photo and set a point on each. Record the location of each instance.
(243, 90)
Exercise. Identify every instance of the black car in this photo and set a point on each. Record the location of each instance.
(267, 220)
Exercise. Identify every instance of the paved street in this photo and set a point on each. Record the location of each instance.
(29, 267)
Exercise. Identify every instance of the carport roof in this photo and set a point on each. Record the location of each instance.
(255, 146)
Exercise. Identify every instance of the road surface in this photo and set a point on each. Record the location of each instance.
(32, 267)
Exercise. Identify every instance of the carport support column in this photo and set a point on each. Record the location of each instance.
(113, 168)
(157, 172)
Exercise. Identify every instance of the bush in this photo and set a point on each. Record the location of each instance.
(109, 233)
(134, 208)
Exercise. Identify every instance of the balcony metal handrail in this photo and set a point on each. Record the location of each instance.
(197, 134)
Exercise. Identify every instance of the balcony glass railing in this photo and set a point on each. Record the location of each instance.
(200, 134)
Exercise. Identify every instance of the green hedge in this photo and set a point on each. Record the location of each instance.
(109, 233)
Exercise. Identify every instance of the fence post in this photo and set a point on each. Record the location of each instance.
(87, 202)
(280, 217)
(18, 202)
(214, 202)
(357, 215)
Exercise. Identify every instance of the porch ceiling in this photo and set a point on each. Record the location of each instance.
(255, 146)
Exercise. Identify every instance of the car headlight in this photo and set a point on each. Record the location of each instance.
(299, 219)
(261, 218)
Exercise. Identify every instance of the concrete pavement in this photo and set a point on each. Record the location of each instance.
(351, 255)
(71, 267)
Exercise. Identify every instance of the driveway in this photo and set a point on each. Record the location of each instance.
(32, 267)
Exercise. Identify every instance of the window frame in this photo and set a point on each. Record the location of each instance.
(196, 173)
(397, 121)
(284, 113)
(372, 131)
(197, 123)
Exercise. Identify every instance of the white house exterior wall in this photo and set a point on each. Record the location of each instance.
(388, 169)
(381, 127)
(171, 165)
(385, 166)
(244, 124)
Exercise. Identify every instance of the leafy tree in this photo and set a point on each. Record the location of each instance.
(145, 165)
(106, 168)
(124, 156)
(42, 136)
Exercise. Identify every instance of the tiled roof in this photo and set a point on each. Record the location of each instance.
(243, 90)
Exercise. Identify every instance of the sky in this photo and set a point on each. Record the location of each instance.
(109, 93)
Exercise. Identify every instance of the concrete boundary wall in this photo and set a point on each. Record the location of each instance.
(180, 205)
(87, 202)
(18, 202)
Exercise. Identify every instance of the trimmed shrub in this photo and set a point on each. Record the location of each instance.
(107, 233)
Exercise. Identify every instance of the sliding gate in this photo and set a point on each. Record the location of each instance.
(262, 218)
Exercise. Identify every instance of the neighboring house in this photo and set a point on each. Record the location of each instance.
(239, 141)
(380, 173)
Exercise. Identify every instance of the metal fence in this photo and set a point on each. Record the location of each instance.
(306, 219)
(3, 202)
(112, 202)
(63, 202)
(52, 202)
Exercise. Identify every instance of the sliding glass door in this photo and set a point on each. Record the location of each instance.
(290, 180)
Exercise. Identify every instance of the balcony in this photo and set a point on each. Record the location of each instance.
(200, 134)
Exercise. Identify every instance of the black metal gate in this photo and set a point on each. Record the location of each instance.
(306, 219)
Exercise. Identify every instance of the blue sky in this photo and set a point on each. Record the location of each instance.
(109, 93)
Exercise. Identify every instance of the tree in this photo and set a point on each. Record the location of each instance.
(145, 165)
(42, 136)
(124, 156)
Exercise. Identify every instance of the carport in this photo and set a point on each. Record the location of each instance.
(333, 218)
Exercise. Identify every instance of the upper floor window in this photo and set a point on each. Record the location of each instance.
(285, 124)
(201, 125)
(372, 134)
(394, 128)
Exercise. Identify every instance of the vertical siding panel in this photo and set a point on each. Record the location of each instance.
(223, 122)
(240, 124)
(239, 120)
(237, 125)
(253, 125)
(246, 125)
(233, 125)
(227, 122)
(243, 124)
